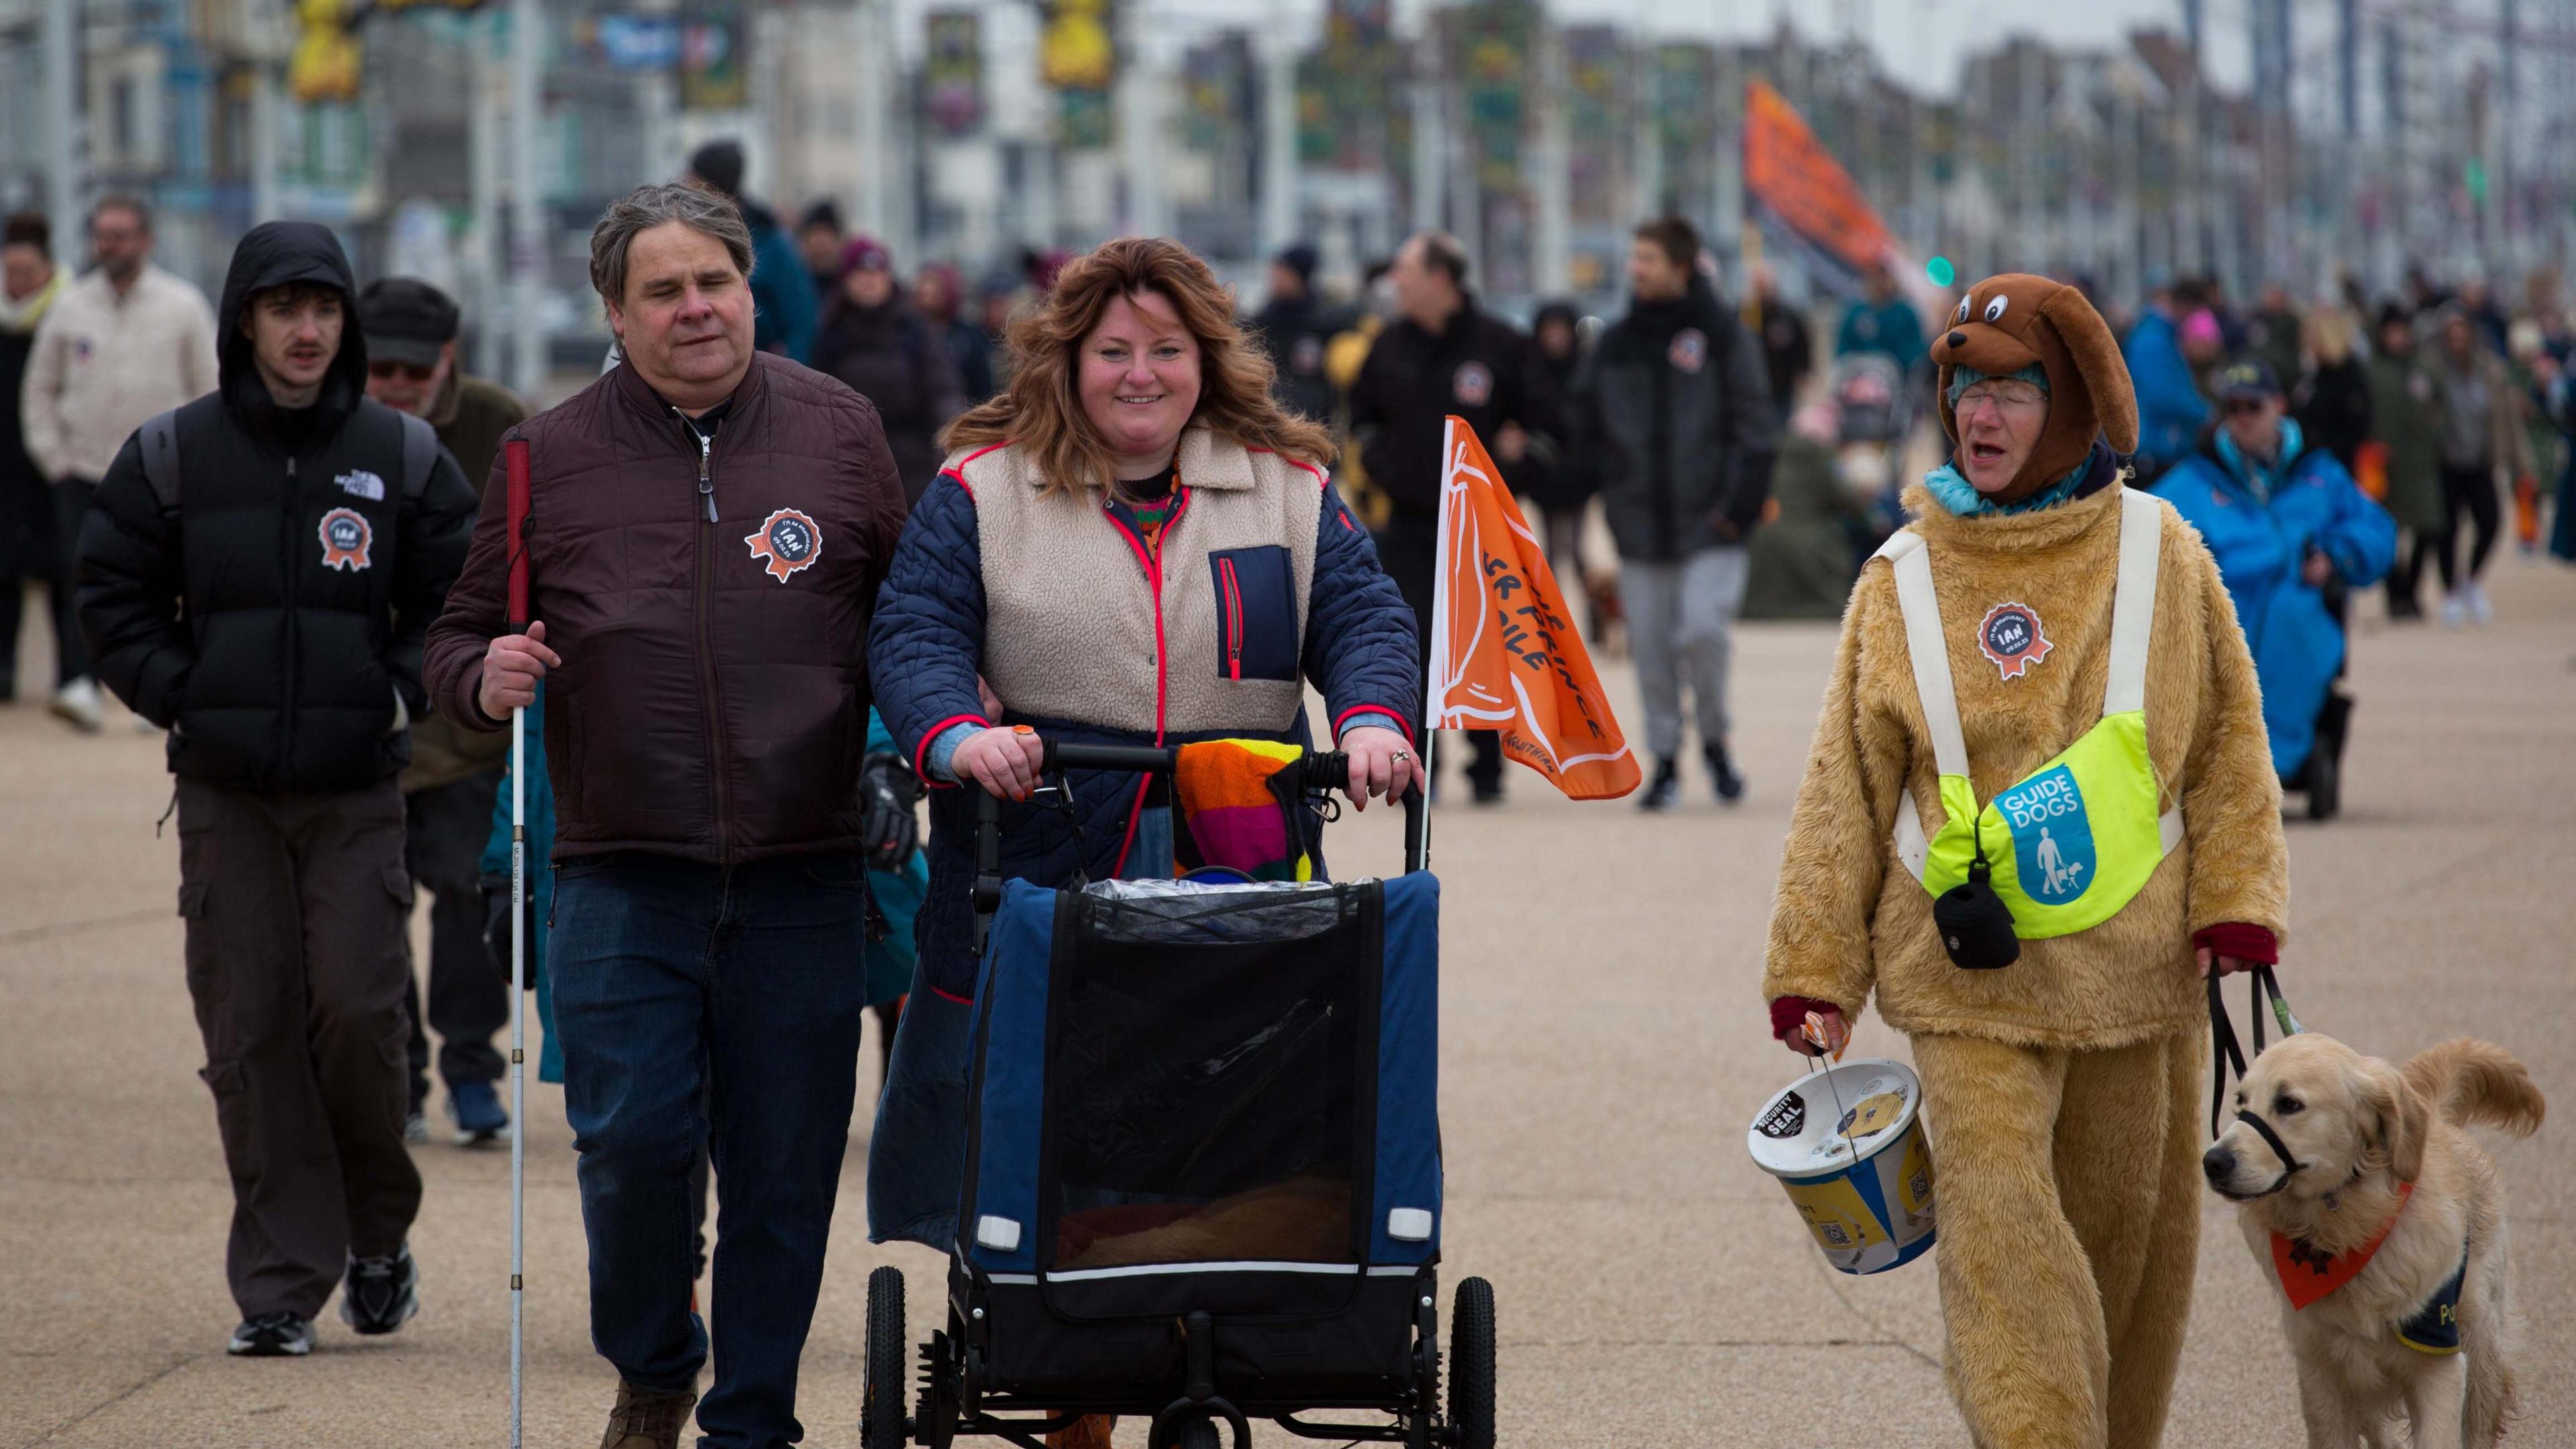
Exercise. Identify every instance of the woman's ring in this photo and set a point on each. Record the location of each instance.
(1401, 755)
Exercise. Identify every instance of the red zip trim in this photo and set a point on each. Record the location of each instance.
(929, 737)
(1233, 620)
(959, 472)
(952, 996)
(1151, 561)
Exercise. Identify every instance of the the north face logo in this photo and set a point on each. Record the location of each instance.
(788, 540)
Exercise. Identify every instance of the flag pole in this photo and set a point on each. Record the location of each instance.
(1433, 702)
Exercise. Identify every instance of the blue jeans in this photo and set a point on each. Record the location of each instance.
(740, 987)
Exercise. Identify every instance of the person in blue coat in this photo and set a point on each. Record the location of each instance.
(2171, 411)
(785, 310)
(2292, 534)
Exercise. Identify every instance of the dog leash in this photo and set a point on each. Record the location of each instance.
(2226, 1051)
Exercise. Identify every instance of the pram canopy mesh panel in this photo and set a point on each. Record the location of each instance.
(1189, 1098)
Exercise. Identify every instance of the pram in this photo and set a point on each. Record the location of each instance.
(1202, 1166)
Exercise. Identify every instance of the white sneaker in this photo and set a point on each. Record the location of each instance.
(77, 704)
(2455, 610)
(2480, 611)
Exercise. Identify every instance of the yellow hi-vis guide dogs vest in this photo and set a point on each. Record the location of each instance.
(2076, 839)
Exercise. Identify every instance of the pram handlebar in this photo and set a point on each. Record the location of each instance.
(1317, 770)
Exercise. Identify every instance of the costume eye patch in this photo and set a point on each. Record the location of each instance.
(1996, 308)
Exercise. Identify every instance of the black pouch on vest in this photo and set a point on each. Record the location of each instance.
(1976, 926)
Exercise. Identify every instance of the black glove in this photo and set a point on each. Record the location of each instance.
(496, 925)
(889, 827)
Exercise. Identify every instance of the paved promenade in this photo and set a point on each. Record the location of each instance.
(1603, 1047)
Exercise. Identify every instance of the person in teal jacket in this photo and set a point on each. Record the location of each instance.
(541, 884)
(1882, 321)
(2292, 534)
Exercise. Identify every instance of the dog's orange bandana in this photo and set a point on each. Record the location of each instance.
(2308, 1275)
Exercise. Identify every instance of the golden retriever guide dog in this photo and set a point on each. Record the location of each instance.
(2380, 1223)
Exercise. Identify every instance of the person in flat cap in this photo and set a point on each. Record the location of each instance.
(2293, 535)
(455, 774)
(2041, 713)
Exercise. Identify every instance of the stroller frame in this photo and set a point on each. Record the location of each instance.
(956, 1392)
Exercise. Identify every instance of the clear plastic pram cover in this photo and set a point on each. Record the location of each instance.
(1210, 1075)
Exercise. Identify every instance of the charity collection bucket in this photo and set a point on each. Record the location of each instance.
(1848, 1145)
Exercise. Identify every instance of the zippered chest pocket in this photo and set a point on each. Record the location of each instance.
(1256, 613)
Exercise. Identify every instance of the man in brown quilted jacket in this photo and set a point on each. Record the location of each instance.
(709, 527)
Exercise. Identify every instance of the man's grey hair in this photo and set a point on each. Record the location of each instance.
(647, 207)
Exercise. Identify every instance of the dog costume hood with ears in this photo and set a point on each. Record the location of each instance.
(2016, 320)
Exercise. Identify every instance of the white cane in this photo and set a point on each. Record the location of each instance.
(516, 452)
(518, 1054)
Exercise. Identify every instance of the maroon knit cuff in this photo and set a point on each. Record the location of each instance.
(2244, 941)
(1790, 1013)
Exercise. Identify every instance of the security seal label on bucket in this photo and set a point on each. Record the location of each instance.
(1847, 1143)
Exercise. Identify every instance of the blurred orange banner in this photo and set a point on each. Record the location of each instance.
(1788, 170)
(1505, 653)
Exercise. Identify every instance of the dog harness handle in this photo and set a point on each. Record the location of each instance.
(2226, 1051)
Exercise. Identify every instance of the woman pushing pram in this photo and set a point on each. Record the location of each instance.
(1131, 547)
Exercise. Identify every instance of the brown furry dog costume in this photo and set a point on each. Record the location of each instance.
(2060, 1090)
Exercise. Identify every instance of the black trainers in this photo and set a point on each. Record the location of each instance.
(1730, 785)
(272, 1335)
(380, 1294)
(1666, 789)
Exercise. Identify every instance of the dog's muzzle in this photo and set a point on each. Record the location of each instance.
(2219, 1163)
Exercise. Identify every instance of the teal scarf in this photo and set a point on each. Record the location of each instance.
(1952, 490)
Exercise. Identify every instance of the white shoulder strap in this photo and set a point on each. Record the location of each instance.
(2133, 604)
(1928, 649)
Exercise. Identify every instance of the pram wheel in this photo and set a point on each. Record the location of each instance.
(1471, 1366)
(1200, 1434)
(881, 1419)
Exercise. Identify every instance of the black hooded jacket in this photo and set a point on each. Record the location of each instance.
(1479, 367)
(1673, 412)
(274, 618)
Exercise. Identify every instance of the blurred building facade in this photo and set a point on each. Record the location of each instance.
(982, 130)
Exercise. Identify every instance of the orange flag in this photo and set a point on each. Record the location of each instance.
(1505, 653)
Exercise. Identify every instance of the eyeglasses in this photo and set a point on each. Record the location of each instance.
(2009, 396)
(388, 371)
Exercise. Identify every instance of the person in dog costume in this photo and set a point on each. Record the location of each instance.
(2041, 703)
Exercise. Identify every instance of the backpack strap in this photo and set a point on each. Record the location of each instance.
(420, 455)
(160, 436)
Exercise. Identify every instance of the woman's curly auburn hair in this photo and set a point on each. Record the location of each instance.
(1040, 409)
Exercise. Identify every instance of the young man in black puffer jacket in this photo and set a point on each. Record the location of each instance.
(257, 574)
(1673, 411)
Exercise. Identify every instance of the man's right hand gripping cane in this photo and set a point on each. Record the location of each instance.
(513, 668)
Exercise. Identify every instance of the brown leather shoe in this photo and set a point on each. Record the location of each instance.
(647, 1418)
